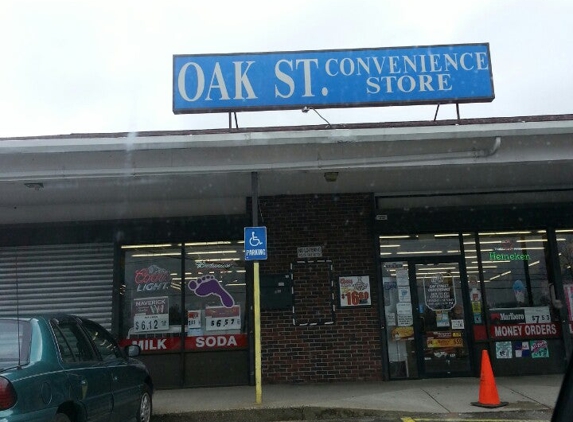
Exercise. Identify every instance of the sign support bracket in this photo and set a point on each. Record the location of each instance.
(457, 112)
(231, 120)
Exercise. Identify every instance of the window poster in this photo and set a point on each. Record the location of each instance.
(458, 324)
(442, 319)
(194, 323)
(521, 349)
(391, 319)
(402, 277)
(150, 314)
(221, 318)
(404, 311)
(439, 292)
(354, 291)
(539, 349)
(503, 350)
(537, 315)
(476, 310)
(404, 294)
(444, 339)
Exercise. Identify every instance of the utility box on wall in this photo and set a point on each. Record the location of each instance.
(276, 292)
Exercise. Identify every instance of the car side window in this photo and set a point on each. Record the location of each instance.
(104, 342)
(72, 343)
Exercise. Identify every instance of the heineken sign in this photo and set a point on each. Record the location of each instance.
(458, 73)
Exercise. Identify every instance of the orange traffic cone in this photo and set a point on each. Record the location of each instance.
(488, 396)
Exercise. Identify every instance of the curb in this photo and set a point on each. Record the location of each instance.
(274, 414)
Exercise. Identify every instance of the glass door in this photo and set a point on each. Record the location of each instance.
(425, 315)
(443, 332)
(399, 305)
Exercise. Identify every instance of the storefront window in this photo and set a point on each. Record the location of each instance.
(565, 247)
(419, 245)
(151, 291)
(474, 285)
(215, 294)
(518, 291)
(514, 268)
(195, 292)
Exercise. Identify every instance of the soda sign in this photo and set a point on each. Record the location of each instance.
(228, 341)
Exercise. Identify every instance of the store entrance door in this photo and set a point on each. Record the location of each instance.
(425, 313)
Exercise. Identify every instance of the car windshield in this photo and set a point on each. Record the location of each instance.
(14, 343)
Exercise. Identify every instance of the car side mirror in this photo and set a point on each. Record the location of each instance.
(132, 350)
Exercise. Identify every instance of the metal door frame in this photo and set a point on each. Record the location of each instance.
(411, 261)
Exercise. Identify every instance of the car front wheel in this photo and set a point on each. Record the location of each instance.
(145, 407)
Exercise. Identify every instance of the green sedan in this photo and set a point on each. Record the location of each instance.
(63, 368)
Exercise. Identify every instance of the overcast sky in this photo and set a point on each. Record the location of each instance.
(106, 66)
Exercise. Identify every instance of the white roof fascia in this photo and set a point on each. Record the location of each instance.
(265, 138)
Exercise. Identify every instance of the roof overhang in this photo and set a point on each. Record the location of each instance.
(118, 176)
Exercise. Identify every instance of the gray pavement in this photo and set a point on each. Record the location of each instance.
(351, 400)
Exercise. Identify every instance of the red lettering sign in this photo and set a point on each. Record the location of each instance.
(152, 274)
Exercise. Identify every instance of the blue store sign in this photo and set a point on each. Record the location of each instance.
(332, 78)
(255, 243)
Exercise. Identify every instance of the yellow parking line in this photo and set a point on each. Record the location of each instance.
(410, 419)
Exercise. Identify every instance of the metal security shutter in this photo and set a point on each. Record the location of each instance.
(75, 278)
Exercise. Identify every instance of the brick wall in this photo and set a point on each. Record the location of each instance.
(349, 349)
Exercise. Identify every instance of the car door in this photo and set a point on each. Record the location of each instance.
(126, 386)
(90, 379)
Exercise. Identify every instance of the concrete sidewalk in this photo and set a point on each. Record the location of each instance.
(344, 400)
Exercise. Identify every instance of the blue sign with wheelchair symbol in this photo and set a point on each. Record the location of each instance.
(255, 243)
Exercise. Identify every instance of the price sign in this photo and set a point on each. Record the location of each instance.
(150, 314)
(354, 291)
(537, 315)
(220, 324)
(221, 318)
(147, 323)
(193, 319)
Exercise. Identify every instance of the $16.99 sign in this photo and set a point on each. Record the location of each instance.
(354, 291)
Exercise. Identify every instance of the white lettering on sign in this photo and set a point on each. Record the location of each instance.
(151, 344)
(289, 81)
(217, 82)
(256, 252)
(309, 252)
(152, 287)
(216, 341)
(509, 331)
(257, 81)
(525, 330)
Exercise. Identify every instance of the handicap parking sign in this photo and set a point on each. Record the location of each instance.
(255, 243)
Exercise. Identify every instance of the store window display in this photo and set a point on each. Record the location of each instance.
(521, 313)
(193, 293)
(565, 248)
